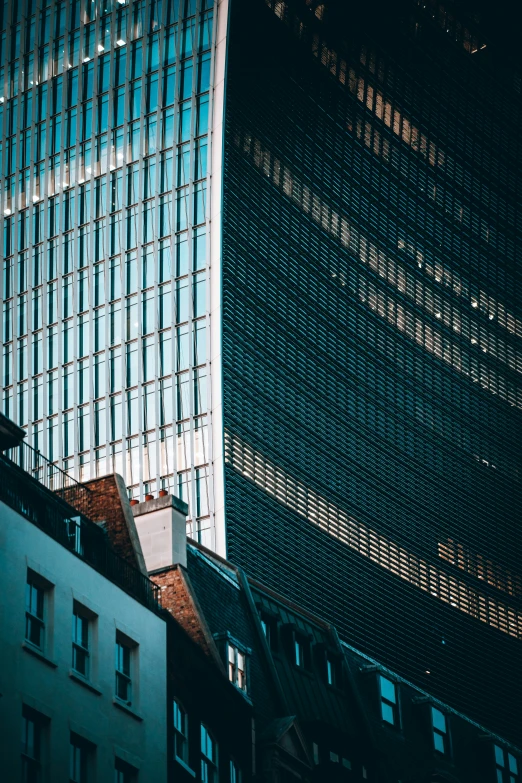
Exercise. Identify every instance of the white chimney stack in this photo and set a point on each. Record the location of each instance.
(162, 527)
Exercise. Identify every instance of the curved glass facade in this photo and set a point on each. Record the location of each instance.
(104, 118)
(372, 326)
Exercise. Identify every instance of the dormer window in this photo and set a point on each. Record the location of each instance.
(269, 626)
(299, 652)
(297, 645)
(237, 673)
(506, 765)
(389, 701)
(440, 731)
(330, 670)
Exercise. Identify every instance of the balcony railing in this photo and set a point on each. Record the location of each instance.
(51, 476)
(51, 500)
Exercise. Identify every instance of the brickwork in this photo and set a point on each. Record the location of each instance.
(178, 598)
(108, 503)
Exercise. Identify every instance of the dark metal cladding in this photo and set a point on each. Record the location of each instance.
(372, 335)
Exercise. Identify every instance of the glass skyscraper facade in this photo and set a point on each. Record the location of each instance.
(265, 257)
(104, 116)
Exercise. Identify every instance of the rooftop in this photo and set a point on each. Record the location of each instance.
(56, 503)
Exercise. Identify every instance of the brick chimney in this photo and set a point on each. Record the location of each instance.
(162, 528)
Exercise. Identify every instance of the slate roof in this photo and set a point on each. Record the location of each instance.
(281, 692)
(226, 608)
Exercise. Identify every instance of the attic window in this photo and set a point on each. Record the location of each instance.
(237, 673)
(389, 701)
(332, 670)
(299, 652)
(269, 626)
(506, 766)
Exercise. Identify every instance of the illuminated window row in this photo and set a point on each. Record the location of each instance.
(479, 299)
(399, 276)
(447, 20)
(394, 274)
(492, 444)
(394, 409)
(483, 568)
(380, 145)
(381, 550)
(440, 346)
(375, 101)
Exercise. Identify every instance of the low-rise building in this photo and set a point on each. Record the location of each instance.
(210, 731)
(320, 711)
(82, 634)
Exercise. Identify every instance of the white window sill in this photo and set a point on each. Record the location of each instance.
(77, 677)
(185, 766)
(122, 705)
(30, 648)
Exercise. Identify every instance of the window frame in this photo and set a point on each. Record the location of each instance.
(209, 764)
(33, 762)
(124, 772)
(439, 733)
(78, 743)
(270, 627)
(181, 733)
(34, 586)
(332, 669)
(237, 676)
(384, 701)
(299, 652)
(504, 762)
(236, 773)
(121, 676)
(78, 646)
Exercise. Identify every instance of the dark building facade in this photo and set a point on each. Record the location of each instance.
(372, 334)
(285, 700)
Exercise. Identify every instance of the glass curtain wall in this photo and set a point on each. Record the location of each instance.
(104, 111)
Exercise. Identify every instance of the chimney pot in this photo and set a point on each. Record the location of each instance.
(134, 502)
(162, 493)
(149, 497)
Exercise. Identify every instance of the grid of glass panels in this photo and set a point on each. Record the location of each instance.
(372, 328)
(104, 108)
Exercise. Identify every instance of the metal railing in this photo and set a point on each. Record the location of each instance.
(53, 512)
(51, 476)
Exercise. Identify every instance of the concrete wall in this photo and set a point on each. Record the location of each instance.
(136, 735)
